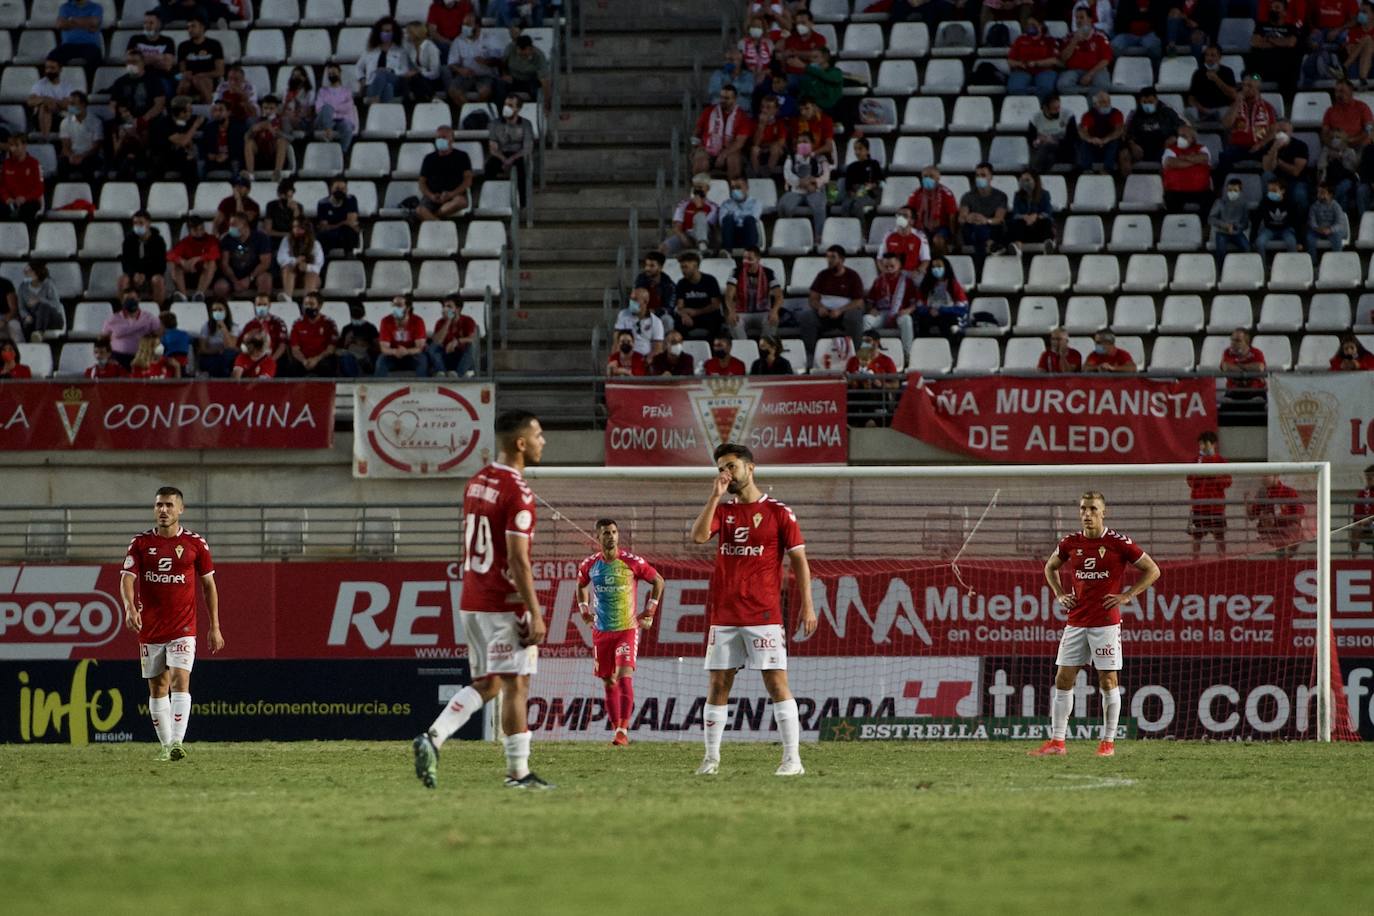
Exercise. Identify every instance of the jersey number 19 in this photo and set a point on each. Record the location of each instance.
(478, 548)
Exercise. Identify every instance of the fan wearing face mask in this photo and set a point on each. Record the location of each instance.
(254, 360)
(1212, 89)
(1148, 128)
(674, 360)
(47, 99)
(82, 134)
(1086, 57)
(149, 361)
(797, 45)
(143, 261)
(445, 179)
(624, 361)
(1278, 221)
(105, 365)
(510, 141)
(336, 116)
(403, 341)
(445, 19)
(1186, 167)
(1230, 222)
(126, 327)
(268, 326)
(474, 61)
(382, 68)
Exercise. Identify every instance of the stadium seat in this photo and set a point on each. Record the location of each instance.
(1194, 273)
(862, 41)
(479, 276)
(972, 115)
(912, 154)
(1098, 273)
(1339, 270)
(391, 238)
(998, 307)
(1146, 273)
(276, 14)
(483, 239)
(1291, 270)
(1036, 315)
(312, 47)
(15, 83)
(1242, 272)
(898, 78)
(1132, 74)
(1180, 232)
(428, 117)
(908, 40)
(38, 357)
(53, 241)
(102, 281)
(1234, 36)
(344, 278)
(436, 239)
(1280, 313)
(1176, 73)
(930, 354)
(979, 354)
(845, 231)
(960, 154)
(1016, 113)
(495, 199)
(1133, 315)
(829, 10)
(410, 156)
(441, 278)
(1003, 274)
(264, 46)
(1085, 314)
(1329, 312)
(1230, 312)
(385, 121)
(1049, 273)
(1022, 354)
(1083, 235)
(1184, 315)
(100, 241)
(1173, 354)
(942, 77)
(75, 359)
(1132, 345)
(1131, 234)
(792, 236)
(351, 44)
(369, 159)
(1142, 194)
(1366, 237)
(324, 13)
(1277, 350)
(167, 200)
(923, 115)
(118, 200)
(88, 318)
(66, 193)
(322, 160)
(1364, 314)
(14, 240)
(1009, 155)
(1315, 351)
(1309, 108)
(34, 46)
(391, 278)
(1094, 194)
(765, 192)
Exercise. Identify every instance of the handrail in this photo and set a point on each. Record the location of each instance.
(659, 184)
(676, 146)
(620, 267)
(489, 344)
(510, 288)
(634, 231)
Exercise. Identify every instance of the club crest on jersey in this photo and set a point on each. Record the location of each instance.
(179, 551)
(1101, 552)
(758, 517)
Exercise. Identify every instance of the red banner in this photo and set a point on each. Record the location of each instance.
(87, 415)
(1085, 419)
(784, 421)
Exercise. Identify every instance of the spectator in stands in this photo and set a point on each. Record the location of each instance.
(1358, 49)
(82, 134)
(771, 361)
(445, 179)
(909, 244)
(313, 342)
(693, 218)
(282, 212)
(934, 211)
(943, 306)
(983, 215)
(105, 365)
(871, 369)
(674, 360)
(238, 95)
(298, 104)
(1034, 62)
(474, 62)
(1230, 222)
(1187, 172)
(776, 87)
(625, 360)
(255, 361)
(270, 326)
(1276, 50)
(722, 130)
(721, 362)
(1352, 356)
(403, 341)
(336, 117)
(337, 225)
(931, 12)
(1107, 356)
(266, 139)
(699, 309)
(823, 83)
(176, 344)
(753, 296)
(126, 327)
(1139, 25)
(795, 49)
(139, 91)
(172, 143)
(510, 143)
(1277, 222)
(1032, 214)
(11, 364)
(453, 345)
(301, 259)
(445, 21)
(756, 52)
(424, 67)
(221, 142)
(526, 71)
(836, 304)
(1286, 159)
(1100, 131)
(200, 60)
(359, 344)
(1277, 511)
(892, 300)
(1059, 356)
(1327, 225)
(1212, 90)
(740, 217)
(768, 146)
(40, 308)
(1086, 57)
(239, 201)
(245, 261)
(811, 120)
(48, 97)
(159, 51)
(863, 182)
(806, 174)
(662, 289)
(1188, 26)
(383, 64)
(731, 73)
(21, 182)
(80, 22)
(1250, 120)
(143, 260)
(1243, 366)
(1346, 130)
(637, 318)
(1152, 125)
(196, 254)
(1047, 134)
(217, 346)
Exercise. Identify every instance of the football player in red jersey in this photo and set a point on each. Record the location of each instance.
(501, 617)
(744, 603)
(1362, 523)
(158, 585)
(1096, 559)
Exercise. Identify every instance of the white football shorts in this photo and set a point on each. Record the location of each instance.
(157, 657)
(494, 644)
(760, 648)
(1097, 646)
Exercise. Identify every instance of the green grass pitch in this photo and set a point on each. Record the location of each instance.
(345, 828)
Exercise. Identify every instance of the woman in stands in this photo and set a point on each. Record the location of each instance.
(149, 362)
(771, 361)
(424, 65)
(1032, 214)
(298, 104)
(383, 64)
(10, 365)
(301, 258)
(40, 308)
(944, 304)
(217, 346)
(1352, 356)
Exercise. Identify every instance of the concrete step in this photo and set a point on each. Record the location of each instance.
(605, 86)
(550, 236)
(561, 361)
(566, 276)
(580, 197)
(641, 50)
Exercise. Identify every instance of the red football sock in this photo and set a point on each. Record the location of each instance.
(627, 700)
(613, 703)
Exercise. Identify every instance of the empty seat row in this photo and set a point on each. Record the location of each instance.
(1279, 313)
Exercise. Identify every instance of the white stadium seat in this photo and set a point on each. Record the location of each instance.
(1280, 313)
(1098, 273)
(1194, 273)
(1182, 315)
(1036, 315)
(1085, 314)
(1133, 315)
(1315, 351)
(1291, 270)
(1329, 312)
(1049, 273)
(1173, 354)
(1146, 273)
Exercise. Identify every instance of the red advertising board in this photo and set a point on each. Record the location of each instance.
(784, 421)
(88, 415)
(1084, 419)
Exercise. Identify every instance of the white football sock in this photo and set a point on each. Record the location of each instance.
(713, 727)
(785, 714)
(518, 755)
(181, 714)
(1111, 712)
(1059, 714)
(455, 715)
(160, 709)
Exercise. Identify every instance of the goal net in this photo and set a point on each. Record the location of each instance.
(929, 587)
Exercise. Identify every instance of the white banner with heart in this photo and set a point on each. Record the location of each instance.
(422, 429)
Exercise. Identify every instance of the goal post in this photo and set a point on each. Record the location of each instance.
(942, 568)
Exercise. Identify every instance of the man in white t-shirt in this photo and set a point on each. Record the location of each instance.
(81, 133)
(639, 319)
(48, 97)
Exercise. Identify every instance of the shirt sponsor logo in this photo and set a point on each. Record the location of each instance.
(164, 578)
(741, 550)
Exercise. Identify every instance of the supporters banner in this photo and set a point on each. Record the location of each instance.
(1084, 419)
(420, 429)
(784, 421)
(191, 414)
(1326, 417)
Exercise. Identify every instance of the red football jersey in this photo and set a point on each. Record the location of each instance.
(166, 570)
(496, 502)
(1095, 568)
(1208, 491)
(746, 584)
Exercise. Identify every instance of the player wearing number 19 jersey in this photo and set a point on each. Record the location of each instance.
(1095, 560)
(502, 620)
(744, 604)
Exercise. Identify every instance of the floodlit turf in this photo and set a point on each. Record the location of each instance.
(345, 828)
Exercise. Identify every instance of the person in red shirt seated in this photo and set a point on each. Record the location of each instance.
(1034, 61)
(1241, 359)
(721, 362)
(1107, 356)
(196, 254)
(892, 300)
(674, 360)
(1086, 57)
(403, 340)
(1207, 495)
(1359, 42)
(21, 182)
(10, 365)
(1187, 172)
(453, 347)
(908, 243)
(1352, 356)
(722, 131)
(624, 360)
(934, 211)
(871, 361)
(796, 48)
(149, 361)
(272, 326)
(314, 338)
(444, 21)
(1277, 510)
(256, 360)
(1362, 515)
(105, 366)
(1250, 120)
(1059, 356)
